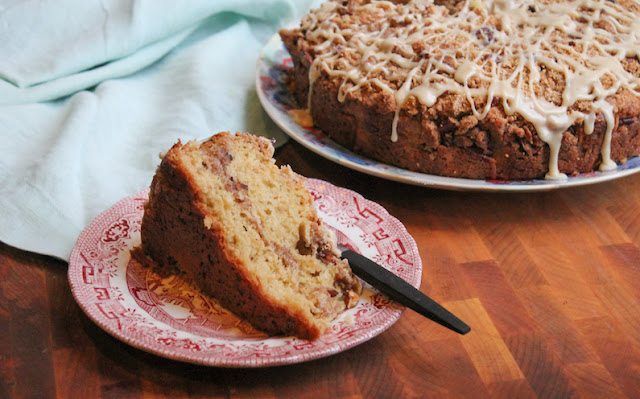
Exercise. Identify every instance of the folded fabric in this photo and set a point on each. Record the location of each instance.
(92, 91)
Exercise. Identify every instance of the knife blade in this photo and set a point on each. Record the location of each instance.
(400, 291)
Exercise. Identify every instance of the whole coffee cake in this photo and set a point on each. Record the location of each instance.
(481, 89)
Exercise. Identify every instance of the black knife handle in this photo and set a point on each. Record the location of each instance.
(402, 292)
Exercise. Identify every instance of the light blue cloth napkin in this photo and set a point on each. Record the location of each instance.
(92, 91)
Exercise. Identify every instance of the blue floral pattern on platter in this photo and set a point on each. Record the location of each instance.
(276, 100)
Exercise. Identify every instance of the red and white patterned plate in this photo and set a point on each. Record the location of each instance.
(166, 317)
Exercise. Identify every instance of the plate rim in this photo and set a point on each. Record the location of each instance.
(74, 276)
(372, 167)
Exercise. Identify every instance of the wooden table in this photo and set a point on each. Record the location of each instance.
(549, 282)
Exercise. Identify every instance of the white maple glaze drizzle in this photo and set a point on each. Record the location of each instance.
(491, 49)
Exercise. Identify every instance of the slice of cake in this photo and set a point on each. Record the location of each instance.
(246, 233)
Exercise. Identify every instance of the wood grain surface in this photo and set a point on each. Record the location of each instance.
(549, 283)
